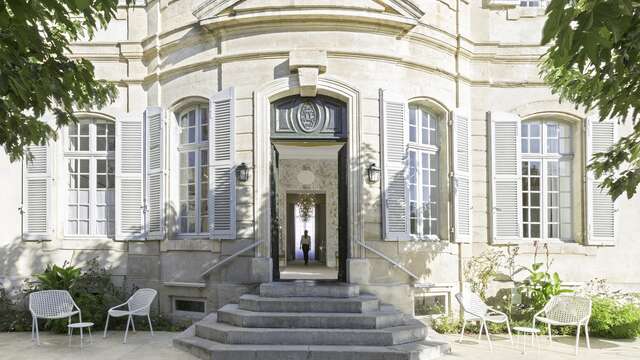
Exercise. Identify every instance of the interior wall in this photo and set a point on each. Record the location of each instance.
(294, 176)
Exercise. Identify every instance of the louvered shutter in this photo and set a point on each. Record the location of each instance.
(601, 224)
(461, 137)
(36, 197)
(394, 151)
(505, 177)
(129, 177)
(154, 179)
(222, 180)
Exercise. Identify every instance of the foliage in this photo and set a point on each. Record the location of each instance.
(594, 61)
(540, 285)
(610, 319)
(482, 269)
(13, 315)
(307, 203)
(37, 72)
(58, 277)
(92, 290)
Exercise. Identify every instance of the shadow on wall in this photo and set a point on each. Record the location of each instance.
(417, 256)
(20, 260)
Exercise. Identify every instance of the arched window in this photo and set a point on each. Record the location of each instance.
(193, 151)
(90, 161)
(423, 176)
(547, 155)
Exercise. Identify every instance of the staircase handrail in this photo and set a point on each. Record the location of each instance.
(229, 258)
(390, 260)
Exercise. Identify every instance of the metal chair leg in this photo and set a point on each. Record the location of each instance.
(37, 332)
(586, 334)
(150, 327)
(126, 331)
(105, 326)
(509, 331)
(133, 321)
(464, 323)
(480, 331)
(486, 330)
(577, 339)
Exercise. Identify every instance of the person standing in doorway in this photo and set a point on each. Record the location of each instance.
(305, 245)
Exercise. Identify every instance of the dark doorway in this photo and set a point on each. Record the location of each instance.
(275, 222)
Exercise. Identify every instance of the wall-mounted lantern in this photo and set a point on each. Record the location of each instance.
(373, 173)
(242, 172)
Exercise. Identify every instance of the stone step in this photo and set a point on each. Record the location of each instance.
(207, 349)
(309, 288)
(360, 304)
(229, 334)
(385, 317)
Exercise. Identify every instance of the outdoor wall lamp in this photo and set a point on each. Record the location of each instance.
(242, 172)
(373, 172)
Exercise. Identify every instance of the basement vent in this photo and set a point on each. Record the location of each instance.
(431, 305)
(189, 306)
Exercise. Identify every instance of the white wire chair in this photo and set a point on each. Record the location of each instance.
(474, 309)
(566, 310)
(139, 304)
(51, 304)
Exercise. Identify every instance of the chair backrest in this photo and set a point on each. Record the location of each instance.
(51, 303)
(141, 300)
(472, 304)
(568, 309)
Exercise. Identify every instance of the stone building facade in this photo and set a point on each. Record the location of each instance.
(443, 96)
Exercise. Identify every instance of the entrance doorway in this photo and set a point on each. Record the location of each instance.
(307, 191)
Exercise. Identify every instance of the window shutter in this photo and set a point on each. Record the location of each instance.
(601, 225)
(461, 135)
(222, 179)
(394, 151)
(505, 177)
(36, 196)
(129, 177)
(154, 177)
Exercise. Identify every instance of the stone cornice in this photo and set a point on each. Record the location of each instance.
(213, 8)
(330, 15)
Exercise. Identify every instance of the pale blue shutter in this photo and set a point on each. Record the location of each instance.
(36, 195)
(154, 172)
(222, 179)
(129, 177)
(394, 152)
(461, 138)
(601, 224)
(505, 177)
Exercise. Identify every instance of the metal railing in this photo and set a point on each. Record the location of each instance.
(394, 263)
(227, 259)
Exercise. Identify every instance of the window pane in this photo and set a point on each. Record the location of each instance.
(84, 166)
(101, 144)
(84, 181)
(84, 143)
(101, 129)
(535, 230)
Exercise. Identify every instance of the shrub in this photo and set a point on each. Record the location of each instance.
(611, 319)
(13, 315)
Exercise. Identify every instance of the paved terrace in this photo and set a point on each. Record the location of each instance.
(141, 346)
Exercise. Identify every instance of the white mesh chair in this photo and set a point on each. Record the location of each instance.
(139, 304)
(566, 310)
(51, 304)
(474, 309)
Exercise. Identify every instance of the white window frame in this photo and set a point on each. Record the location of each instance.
(531, 4)
(198, 147)
(93, 155)
(544, 158)
(429, 149)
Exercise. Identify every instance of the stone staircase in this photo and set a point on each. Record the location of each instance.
(312, 321)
